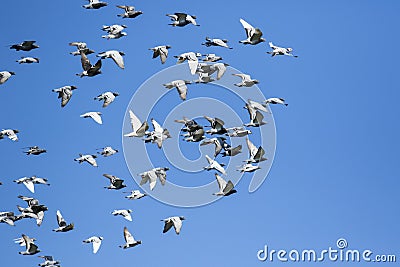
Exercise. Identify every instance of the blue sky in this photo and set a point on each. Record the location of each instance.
(335, 172)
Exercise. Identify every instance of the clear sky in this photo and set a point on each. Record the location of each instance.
(335, 172)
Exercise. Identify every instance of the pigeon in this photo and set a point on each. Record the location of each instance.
(237, 132)
(39, 216)
(89, 70)
(256, 153)
(175, 221)
(81, 47)
(135, 194)
(195, 136)
(152, 176)
(31, 248)
(247, 81)
(34, 209)
(91, 159)
(95, 4)
(124, 213)
(213, 164)
(10, 133)
(211, 58)
(21, 242)
(192, 59)
(180, 85)
(159, 135)
(114, 31)
(248, 168)
(94, 115)
(225, 188)
(220, 68)
(65, 93)
(107, 97)
(138, 128)
(129, 240)
(107, 151)
(280, 51)
(256, 118)
(5, 75)
(96, 242)
(25, 46)
(63, 226)
(161, 51)
(190, 125)
(182, 19)
(35, 150)
(253, 34)
(115, 55)
(217, 126)
(130, 12)
(115, 182)
(28, 60)
(275, 100)
(219, 143)
(257, 106)
(8, 217)
(216, 42)
(49, 262)
(30, 182)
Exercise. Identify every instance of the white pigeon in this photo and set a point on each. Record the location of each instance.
(96, 242)
(253, 34)
(225, 188)
(114, 31)
(211, 58)
(28, 60)
(30, 182)
(95, 4)
(25, 46)
(129, 240)
(217, 126)
(65, 93)
(152, 175)
(135, 194)
(10, 133)
(248, 168)
(116, 183)
(280, 51)
(62, 224)
(213, 164)
(138, 128)
(31, 248)
(180, 85)
(161, 51)
(182, 19)
(220, 68)
(81, 46)
(96, 116)
(275, 100)
(130, 12)
(175, 221)
(247, 81)
(255, 153)
(107, 151)
(192, 59)
(158, 136)
(107, 98)
(124, 213)
(89, 70)
(5, 75)
(114, 55)
(91, 159)
(216, 42)
(49, 262)
(237, 132)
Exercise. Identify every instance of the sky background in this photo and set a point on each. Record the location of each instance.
(335, 172)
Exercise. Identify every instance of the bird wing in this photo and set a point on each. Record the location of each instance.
(97, 66)
(135, 122)
(182, 89)
(247, 27)
(96, 117)
(157, 127)
(127, 216)
(259, 117)
(273, 46)
(260, 153)
(96, 245)
(220, 42)
(91, 161)
(118, 59)
(228, 187)
(163, 52)
(112, 178)
(209, 159)
(128, 236)
(162, 175)
(207, 142)
(221, 182)
(241, 75)
(65, 97)
(153, 179)
(177, 224)
(257, 33)
(167, 225)
(257, 105)
(193, 65)
(39, 218)
(60, 220)
(218, 123)
(29, 184)
(86, 65)
(221, 70)
(252, 148)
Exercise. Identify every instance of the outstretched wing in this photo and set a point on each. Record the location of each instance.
(118, 59)
(167, 225)
(60, 220)
(247, 27)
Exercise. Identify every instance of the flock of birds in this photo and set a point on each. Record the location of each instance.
(205, 66)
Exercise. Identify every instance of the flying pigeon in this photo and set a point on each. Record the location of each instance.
(63, 226)
(253, 34)
(8, 217)
(114, 31)
(95, 4)
(225, 188)
(96, 242)
(89, 70)
(30, 182)
(247, 81)
(25, 46)
(49, 262)
(21, 242)
(161, 51)
(216, 42)
(217, 125)
(213, 164)
(135, 194)
(35, 150)
(107, 97)
(175, 221)
(81, 47)
(192, 59)
(115, 182)
(159, 135)
(256, 118)
(248, 168)
(130, 12)
(182, 19)
(255, 153)
(138, 128)
(65, 93)
(31, 248)
(180, 85)
(107, 151)
(152, 175)
(219, 68)
(275, 100)
(237, 132)
(129, 240)
(28, 60)
(5, 75)
(114, 55)
(124, 213)
(96, 116)
(91, 159)
(211, 58)
(10, 133)
(280, 51)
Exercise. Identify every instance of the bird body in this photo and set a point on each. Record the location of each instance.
(237, 132)
(89, 70)
(248, 168)
(95, 4)
(65, 93)
(161, 51)
(130, 12)
(115, 182)
(152, 175)
(135, 194)
(216, 42)
(182, 19)
(28, 60)
(31, 248)
(158, 136)
(225, 188)
(211, 58)
(91, 159)
(192, 59)
(247, 81)
(219, 68)
(108, 151)
(255, 153)
(217, 126)
(25, 46)
(253, 34)
(35, 150)
(124, 213)
(107, 98)
(81, 47)
(276, 100)
(30, 182)
(280, 51)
